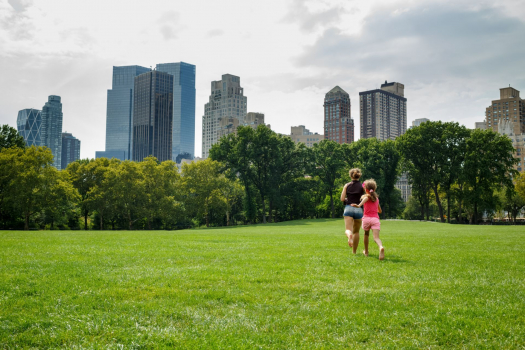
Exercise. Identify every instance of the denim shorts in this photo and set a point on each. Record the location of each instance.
(353, 212)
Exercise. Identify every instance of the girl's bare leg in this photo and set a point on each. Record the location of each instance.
(379, 244)
(365, 240)
(348, 229)
(356, 227)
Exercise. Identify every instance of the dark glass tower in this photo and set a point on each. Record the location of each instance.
(183, 142)
(338, 123)
(51, 129)
(153, 116)
(119, 115)
(29, 123)
(70, 149)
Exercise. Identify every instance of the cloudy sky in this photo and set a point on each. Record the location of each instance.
(452, 56)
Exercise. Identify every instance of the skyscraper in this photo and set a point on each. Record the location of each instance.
(70, 149)
(338, 123)
(29, 123)
(183, 142)
(119, 113)
(510, 108)
(51, 128)
(227, 100)
(153, 116)
(383, 112)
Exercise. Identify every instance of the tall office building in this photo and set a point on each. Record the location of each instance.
(183, 142)
(338, 123)
(51, 128)
(29, 123)
(119, 113)
(153, 116)
(510, 108)
(70, 149)
(227, 100)
(383, 112)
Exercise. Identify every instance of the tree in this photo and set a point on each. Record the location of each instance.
(520, 184)
(328, 160)
(160, 189)
(9, 137)
(85, 175)
(203, 186)
(425, 152)
(31, 180)
(61, 197)
(488, 165)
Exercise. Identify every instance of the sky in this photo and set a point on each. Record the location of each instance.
(452, 56)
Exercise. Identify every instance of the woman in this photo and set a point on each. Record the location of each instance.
(351, 194)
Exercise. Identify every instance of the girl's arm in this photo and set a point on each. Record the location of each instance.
(360, 204)
(343, 194)
(379, 208)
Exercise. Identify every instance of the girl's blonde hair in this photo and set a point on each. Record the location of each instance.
(355, 173)
(371, 188)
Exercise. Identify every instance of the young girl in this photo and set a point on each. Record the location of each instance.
(370, 201)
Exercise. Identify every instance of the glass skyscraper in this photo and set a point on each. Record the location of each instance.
(51, 128)
(119, 115)
(153, 116)
(70, 149)
(29, 123)
(183, 138)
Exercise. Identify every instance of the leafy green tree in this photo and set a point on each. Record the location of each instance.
(378, 160)
(61, 198)
(488, 165)
(425, 152)
(31, 178)
(161, 189)
(85, 175)
(203, 186)
(9, 137)
(328, 160)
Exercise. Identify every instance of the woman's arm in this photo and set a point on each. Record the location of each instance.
(360, 204)
(379, 208)
(343, 194)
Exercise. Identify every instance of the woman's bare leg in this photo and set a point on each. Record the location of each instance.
(379, 244)
(356, 226)
(349, 222)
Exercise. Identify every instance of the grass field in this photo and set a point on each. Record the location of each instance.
(277, 286)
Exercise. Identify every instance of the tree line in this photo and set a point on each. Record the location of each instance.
(259, 176)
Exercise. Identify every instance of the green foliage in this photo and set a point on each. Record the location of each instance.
(292, 285)
(9, 137)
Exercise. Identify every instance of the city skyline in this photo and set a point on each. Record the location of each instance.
(288, 54)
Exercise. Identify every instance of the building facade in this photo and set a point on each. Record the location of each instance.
(506, 127)
(119, 113)
(29, 123)
(302, 134)
(338, 123)
(153, 116)
(480, 125)
(183, 140)
(226, 100)
(70, 149)
(51, 128)
(404, 186)
(383, 112)
(509, 108)
(419, 121)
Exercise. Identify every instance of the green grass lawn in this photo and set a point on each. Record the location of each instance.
(277, 286)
